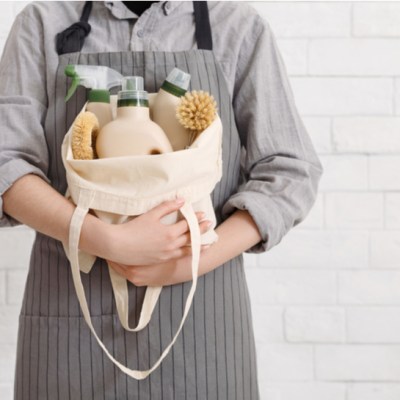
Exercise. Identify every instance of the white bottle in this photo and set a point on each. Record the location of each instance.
(132, 132)
(99, 105)
(165, 104)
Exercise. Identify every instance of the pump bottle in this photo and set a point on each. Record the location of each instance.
(132, 132)
(165, 104)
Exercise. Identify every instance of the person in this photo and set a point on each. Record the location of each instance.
(269, 183)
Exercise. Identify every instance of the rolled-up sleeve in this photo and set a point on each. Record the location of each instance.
(23, 103)
(280, 167)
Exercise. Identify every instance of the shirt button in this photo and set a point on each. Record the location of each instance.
(140, 33)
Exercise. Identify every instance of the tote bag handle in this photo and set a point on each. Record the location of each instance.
(75, 230)
(120, 289)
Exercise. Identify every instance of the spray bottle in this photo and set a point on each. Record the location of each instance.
(100, 80)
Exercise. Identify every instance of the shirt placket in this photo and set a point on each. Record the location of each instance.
(142, 30)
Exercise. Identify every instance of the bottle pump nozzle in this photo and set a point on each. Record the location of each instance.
(98, 78)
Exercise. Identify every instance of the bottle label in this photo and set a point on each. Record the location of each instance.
(133, 103)
(173, 89)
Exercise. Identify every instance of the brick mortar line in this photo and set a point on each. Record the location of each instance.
(370, 189)
(352, 25)
(331, 133)
(384, 211)
(322, 75)
(349, 39)
(314, 359)
(354, 269)
(360, 191)
(346, 325)
(308, 52)
(355, 37)
(355, 115)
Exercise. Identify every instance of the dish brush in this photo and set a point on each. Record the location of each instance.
(196, 112)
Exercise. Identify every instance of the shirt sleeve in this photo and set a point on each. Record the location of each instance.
(23, 104)
(280, 167)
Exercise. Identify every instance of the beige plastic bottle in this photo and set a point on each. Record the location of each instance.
(99, 105)
(132, 132)
(165, 104)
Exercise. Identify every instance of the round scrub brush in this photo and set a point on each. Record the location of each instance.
(84, 134)
(196, 112)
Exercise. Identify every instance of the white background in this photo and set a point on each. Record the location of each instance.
(326, 300)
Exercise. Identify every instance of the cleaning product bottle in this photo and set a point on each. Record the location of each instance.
(132, 132)
(165, 104)
(100, 80)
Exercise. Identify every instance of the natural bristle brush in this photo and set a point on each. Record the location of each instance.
(196, 111)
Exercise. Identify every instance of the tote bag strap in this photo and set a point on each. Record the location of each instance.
(74, 235)
(120, 289)
(119, 283)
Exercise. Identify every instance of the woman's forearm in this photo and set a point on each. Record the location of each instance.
(145, 239)
(236, 234)
(31, 201)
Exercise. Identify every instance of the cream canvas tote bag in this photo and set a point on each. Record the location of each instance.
(118, 189)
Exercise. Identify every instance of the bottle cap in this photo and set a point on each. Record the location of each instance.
(132, 83)
(132, 93)
(177, 82)
(179, 78)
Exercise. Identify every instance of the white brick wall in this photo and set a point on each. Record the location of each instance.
(385, 249)
(319, 130)
(357, 362)
(282, 361)
(309, 391)
(326, 300)
(315, 324)
(367, 57)
(354, 210)
(366, 135)
(332, 96)
(376, 19)
(371, 325)
(344, 172)
(373, 391)
(369, 287)
(392, 210)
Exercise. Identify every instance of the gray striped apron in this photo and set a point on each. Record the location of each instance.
(214, 356)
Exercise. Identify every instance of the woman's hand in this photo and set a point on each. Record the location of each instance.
(235, 235)
(167, 273)
(145, 240)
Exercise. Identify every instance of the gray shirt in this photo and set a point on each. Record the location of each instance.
(281, 170)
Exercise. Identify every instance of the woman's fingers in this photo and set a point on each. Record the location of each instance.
(184, 240)
(186, 251)
(167, 207)
(118, 268)
(182, 226)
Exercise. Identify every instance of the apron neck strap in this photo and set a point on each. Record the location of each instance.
(72, 39)
(203, 27)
